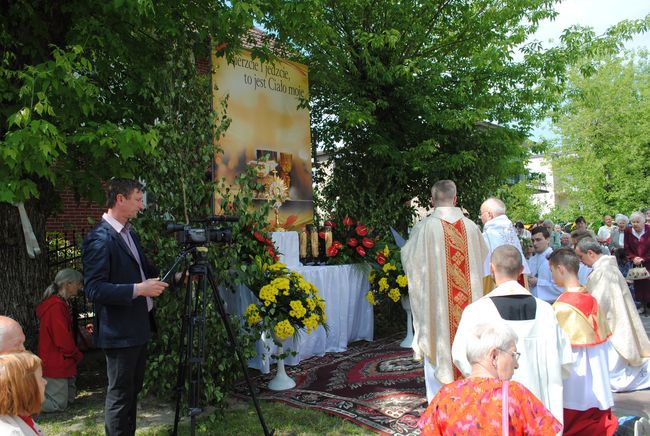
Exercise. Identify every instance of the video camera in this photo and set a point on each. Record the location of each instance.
(205, 232)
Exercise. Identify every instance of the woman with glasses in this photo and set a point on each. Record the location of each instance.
(487, 402)
(56, 344)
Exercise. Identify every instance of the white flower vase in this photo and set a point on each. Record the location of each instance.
(281, 381)
(406, 305)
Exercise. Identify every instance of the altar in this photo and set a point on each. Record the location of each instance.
(349, 315)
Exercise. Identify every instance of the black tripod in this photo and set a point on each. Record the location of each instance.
(192, 337)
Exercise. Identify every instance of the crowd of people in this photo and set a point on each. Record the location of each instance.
(566, 293)
(620, 236)
(570, 298)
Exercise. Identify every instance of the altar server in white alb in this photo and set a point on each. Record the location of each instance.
(443, 260)
(497, 231)
(545, 349)
(587, 397)
(629, 353)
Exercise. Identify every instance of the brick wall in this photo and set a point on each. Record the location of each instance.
(74, 217)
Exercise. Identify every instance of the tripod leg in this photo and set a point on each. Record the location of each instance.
(233, 342)
(180, 375)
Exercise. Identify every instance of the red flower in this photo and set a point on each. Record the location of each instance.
(352, 242)
(332, 224)
(361, 230)
(360, 250)
(337, 244)
(259, 237)
(381, 259)
(321, 234)
(332, 251)
(272, 254)
(368, 243)
(347, 221)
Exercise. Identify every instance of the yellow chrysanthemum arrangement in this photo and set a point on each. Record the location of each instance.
(287, 304)
(387, 278)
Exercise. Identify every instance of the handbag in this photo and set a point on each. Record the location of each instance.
(638, 273)
(505, 418)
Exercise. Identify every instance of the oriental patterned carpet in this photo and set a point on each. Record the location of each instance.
(374, 384)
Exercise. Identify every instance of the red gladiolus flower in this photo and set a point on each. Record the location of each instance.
(321, 235)
(361, 230)
(337, 244)
(259, 237)
(368, 243)
(347, 221)
(332, 224)
(360, 250)
(272, 254)
(381, 259)
(352, 242)
(332, 251)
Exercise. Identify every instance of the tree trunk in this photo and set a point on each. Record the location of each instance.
(22, 279)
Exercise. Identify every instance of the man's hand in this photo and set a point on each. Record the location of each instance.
(150, 288)
(532, 281)
(637, 261)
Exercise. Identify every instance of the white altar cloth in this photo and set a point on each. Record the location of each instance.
(288, 245)
(349, 315)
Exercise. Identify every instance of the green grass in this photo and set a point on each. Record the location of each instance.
(86, 417)
(156, 417)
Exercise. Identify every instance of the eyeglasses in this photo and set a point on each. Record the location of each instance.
(515, 355)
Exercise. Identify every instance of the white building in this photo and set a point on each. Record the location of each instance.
(545, 185)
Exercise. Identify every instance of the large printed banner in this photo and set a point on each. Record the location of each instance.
(268, 130)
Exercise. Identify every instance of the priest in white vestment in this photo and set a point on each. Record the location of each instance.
(498, 230)
(545, 349)
(629, 354)
(443, 260)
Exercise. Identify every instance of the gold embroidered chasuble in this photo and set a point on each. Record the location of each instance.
(443, 260)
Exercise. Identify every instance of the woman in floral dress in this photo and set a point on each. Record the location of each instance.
(475, 405)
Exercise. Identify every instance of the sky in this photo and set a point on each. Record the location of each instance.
(598, 14)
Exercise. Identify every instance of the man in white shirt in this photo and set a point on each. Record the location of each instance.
(540, 280)
(498, 230)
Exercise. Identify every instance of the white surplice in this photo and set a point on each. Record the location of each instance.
(545, 349)
(424, 257)
(500, 231)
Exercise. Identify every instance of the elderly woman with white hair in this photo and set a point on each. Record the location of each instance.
(617, 235)
(637, 250)
(487, 402)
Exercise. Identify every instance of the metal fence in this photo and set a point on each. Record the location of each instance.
(64, 251)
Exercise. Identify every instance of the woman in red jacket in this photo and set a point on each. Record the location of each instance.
(637, 250)
(56, 344)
